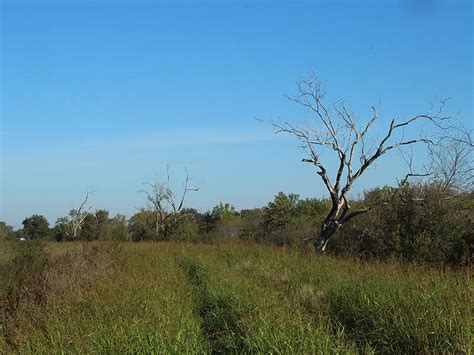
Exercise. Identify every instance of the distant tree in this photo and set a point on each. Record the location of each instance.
(280, 212)
(142, 226)
(77, 217)
(103, 225)
(186, 228)
(225, 221)
(165, 204)
(89, 228)
(96, 226)
(206, 223)
(102, 216)
(36, 227)
(117, 229)
(223, 211)
(192, 213)
(6, 231)
(452, 166)
(252, 221)
(61, 228)
(279, 218)
(335, 131)
(312, 208)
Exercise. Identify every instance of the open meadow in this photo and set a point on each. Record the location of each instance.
(186, 298)
(236, 177)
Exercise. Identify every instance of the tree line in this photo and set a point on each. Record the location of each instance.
(436, 230)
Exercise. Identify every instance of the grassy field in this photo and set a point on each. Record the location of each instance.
(174, 298)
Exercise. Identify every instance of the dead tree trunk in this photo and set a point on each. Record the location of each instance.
(162, 200)
(77, 217)
(336, 131)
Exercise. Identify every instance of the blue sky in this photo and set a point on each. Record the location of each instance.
(101, 95)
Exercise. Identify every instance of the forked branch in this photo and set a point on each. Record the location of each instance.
(335, 129)
(78, 216)
(162, 199)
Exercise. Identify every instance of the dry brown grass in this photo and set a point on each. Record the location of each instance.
(81, 264)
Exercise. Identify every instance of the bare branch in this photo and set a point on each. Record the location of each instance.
(336, 130)
(78, 216)
(162, 199)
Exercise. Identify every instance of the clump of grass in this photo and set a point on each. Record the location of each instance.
(219, 318)
(32, 275)
(272, 320)
(404, 316)
(82, 263)
(22, 286)
(378, 306)
(143, 306)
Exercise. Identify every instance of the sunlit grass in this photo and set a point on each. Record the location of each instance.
(172, 297)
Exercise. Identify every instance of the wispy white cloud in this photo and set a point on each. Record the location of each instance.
(187, 138)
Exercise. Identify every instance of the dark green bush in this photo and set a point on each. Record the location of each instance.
(422, 224)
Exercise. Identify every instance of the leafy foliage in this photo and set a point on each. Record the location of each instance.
(434, 229)
(142, 226)
(36, 227)
(6, 231)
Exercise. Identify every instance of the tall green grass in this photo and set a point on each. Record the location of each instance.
(184, 298)
(220, 321)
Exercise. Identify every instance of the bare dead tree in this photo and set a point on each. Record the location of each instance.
(452, 165)
(164, 202)
(456, 133)
(335, 129)
(78, 216)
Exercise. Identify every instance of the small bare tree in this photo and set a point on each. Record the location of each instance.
(335, 129)
(164, 202)
(78, 216)
(452, 166)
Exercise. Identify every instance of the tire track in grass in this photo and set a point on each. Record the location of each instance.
(220, 320)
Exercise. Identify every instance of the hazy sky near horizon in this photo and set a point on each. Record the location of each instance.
(102, 94)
